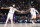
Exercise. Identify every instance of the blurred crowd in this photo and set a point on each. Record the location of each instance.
(21, 5)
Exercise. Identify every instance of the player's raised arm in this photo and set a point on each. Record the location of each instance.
(5, 8)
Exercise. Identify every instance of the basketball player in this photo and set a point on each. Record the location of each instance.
(33, 14)
(10, 14)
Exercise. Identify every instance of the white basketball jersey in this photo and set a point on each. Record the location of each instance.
(12, 10)
(33, 11)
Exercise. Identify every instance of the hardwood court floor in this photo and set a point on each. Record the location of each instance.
(22, 25)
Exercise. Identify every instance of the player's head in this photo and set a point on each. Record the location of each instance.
(30, 6)
(13, 5)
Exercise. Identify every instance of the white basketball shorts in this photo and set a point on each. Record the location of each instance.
(33, 16)
(10, 16)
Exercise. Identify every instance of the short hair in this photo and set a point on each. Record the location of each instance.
(30, 6)
(13, 5)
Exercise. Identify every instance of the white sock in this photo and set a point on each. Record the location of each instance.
(33, 22)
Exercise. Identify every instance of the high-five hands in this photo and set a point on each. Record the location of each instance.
(22, 11)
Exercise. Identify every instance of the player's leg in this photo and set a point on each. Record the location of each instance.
(6, 20)
(11, 18)
(32, 19)
(11, 23)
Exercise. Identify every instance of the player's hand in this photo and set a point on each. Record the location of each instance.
(22, 12)
(2, 7)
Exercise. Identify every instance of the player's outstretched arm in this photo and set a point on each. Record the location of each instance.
(19, 11)
(5, 8)
(27, 10)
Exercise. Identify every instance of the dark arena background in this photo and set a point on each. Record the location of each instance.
(21, 5)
